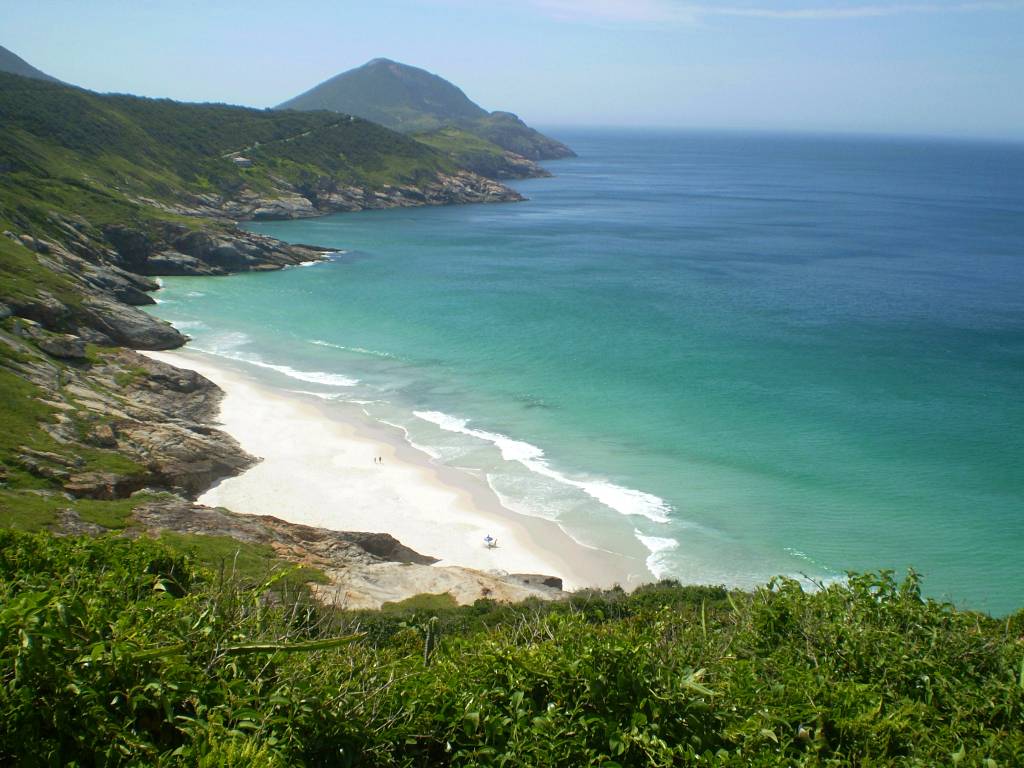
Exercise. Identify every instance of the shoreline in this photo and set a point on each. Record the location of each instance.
(317, 468)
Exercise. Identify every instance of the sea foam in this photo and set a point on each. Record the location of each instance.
(626, 501)
(189, 325)
(321, 395)
(226, 344)
(313, 377)
(658, 547)
(360, 350)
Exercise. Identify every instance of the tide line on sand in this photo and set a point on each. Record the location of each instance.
(318, 468)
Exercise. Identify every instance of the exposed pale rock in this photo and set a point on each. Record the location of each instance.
(63, 346)
(102, 435)
(102, 485)
(129, 326)
(364, 570)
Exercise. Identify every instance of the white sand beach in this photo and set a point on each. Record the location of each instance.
(318, 468)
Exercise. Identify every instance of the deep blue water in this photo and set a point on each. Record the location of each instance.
(761, 354)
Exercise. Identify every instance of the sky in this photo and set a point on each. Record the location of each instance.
(927, 67)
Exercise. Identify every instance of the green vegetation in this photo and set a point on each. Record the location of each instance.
(424, 602)
(246, 560)
(128, 653)
(21, 421)
(413, 101)
(93, 157)
(112, 514)
(22, 276)
(28, 510)
(31, 500)
(401, 97)
(470, 151)
(10, 62)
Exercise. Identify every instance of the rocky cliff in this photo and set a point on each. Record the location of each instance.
(135, 434)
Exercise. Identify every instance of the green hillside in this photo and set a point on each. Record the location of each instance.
(97, 155)
(15, 65)
(401, 97)
(411, 100)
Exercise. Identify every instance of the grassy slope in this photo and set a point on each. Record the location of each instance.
(28, 501)
(413, 101)
(92, 155)
(463, 147)
(121, 653)
(404, 98)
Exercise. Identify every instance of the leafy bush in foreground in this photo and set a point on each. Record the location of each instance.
(124, 653)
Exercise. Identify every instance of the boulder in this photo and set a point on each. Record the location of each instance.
(50, 456)
(65, 346)
(41, 468)
(129, 326)
(195, 243)
(388, 548)
(34, 244)
(170, 262)
(119, 284)
(133, 247)
(102, 485)
(92, 336)
(538, 580)
(102, 435)
(289, 207)
(46, 310)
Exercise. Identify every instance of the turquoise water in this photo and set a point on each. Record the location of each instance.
(757, 354)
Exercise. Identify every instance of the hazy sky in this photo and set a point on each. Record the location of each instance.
(930, 67)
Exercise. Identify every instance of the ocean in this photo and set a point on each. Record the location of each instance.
(756, 354)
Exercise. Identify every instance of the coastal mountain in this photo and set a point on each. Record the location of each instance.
(109, 158)
(15, 65)
(98, 195)
(417, 102)
(107, 188)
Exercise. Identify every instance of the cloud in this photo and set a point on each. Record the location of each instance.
(615, 10)
(666, 11)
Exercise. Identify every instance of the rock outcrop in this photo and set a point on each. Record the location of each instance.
(364, 570)
(174, 249)
(325, 195)
(156, 419)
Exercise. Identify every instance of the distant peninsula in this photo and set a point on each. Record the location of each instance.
(436, 112)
